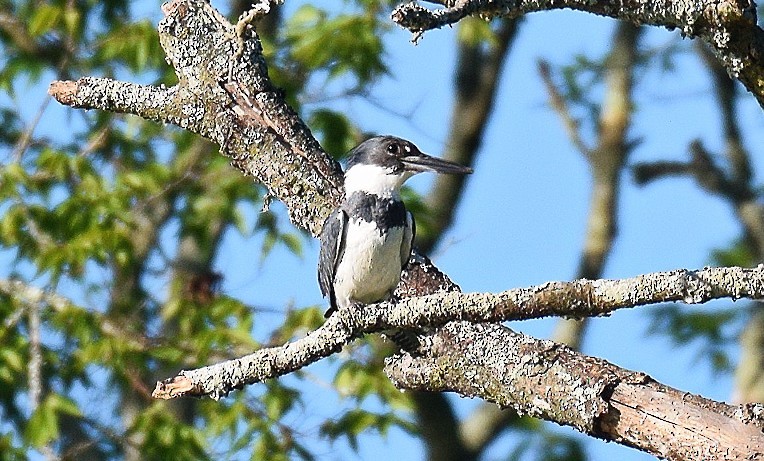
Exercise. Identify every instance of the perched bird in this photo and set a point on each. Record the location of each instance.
(366, 241)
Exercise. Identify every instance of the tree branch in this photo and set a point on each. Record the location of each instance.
(224, 94)
(476, 79)
(728, 26)
(606, 162)
(581, 298)
(550, 381)
(560, 105)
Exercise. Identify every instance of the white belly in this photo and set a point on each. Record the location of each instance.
(371, 266)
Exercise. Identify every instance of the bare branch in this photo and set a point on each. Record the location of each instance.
(476, 79)
(560, 105)
(647, 172)
(606, 162)
(582, 298)
(550, 381)
(703, 169)
(728, 26)
(726, 97)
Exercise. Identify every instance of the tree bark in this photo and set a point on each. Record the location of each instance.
(548, 380)
(728, 26)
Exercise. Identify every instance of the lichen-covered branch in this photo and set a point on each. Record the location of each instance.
(224, 94)
(728, 26)
(582, 298)
(550, 381)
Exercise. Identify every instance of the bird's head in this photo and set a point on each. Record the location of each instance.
(380, 165)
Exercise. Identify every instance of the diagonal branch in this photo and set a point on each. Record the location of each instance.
(581, 298)
(224, 94)
(728, 26)
(560, 105)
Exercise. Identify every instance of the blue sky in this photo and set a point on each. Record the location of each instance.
(522, 219)
(523, 215)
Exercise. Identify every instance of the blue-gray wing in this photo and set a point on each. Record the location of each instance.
(409, 233)
(332, 247)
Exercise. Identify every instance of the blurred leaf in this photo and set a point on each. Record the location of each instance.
(357, 421)
(135, 44)
(334, 130)
(344, 44)
(359, 380)
(10, 452)
(279, 400)
(44, 18)
(474, 31)
(298, 321)
(293, 242)
(268, 223)
(43, 425)
(713, 331)
(739, 253)
(167, 438)
(72, 21)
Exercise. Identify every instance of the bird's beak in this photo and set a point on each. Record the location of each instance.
(423, 162)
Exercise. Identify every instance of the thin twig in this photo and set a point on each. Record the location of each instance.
(560, 105)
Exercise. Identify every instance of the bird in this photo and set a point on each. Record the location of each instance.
(366, 241)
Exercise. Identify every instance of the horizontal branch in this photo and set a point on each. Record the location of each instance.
(150, 102)
(550, 381)
(581, 298)
(728, 26)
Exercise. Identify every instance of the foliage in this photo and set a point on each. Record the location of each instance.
(126, 218)
(711, 330)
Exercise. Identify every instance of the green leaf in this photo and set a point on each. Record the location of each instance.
(278, 400)
(73, 21)
(43, 426)
(738, 253)
(473, 31)
(344, 44)
(334, 130)
(358, 421)
(135, 44)
(12, 358)
(293, 242)
(712, 330)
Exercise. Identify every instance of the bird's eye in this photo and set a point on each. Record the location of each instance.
(393, 149)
